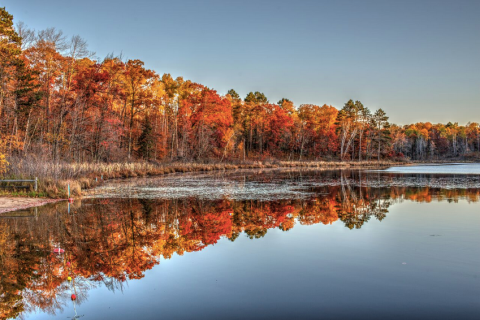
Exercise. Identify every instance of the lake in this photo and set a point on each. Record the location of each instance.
(251, 244)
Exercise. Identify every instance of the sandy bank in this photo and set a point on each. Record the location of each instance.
(13, 203)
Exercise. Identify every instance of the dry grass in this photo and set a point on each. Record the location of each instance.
(54, 178)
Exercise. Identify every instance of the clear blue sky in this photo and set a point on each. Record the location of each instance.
(418, 60)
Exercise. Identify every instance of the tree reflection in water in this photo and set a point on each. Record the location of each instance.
(110, 240)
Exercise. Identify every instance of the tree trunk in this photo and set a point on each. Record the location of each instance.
(379, 144)
(360, 147)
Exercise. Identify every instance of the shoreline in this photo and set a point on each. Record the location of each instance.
(84, 176)
(9, 204)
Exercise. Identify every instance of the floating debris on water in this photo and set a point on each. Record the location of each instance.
(270, 184)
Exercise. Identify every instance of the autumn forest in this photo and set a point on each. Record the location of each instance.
(58, 103)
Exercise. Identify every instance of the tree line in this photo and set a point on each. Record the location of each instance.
(59, 103)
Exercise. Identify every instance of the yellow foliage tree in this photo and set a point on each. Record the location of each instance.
(3, 161)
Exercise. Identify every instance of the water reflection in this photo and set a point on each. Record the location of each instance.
(108, 241)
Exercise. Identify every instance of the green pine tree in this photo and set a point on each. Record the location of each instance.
(146, 141)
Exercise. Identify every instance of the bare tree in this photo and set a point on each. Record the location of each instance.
(27, 35)
(78, 48)
(54, 37)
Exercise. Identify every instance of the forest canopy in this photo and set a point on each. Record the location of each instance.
(59, 103)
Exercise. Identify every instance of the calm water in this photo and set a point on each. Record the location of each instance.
(250, 245)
